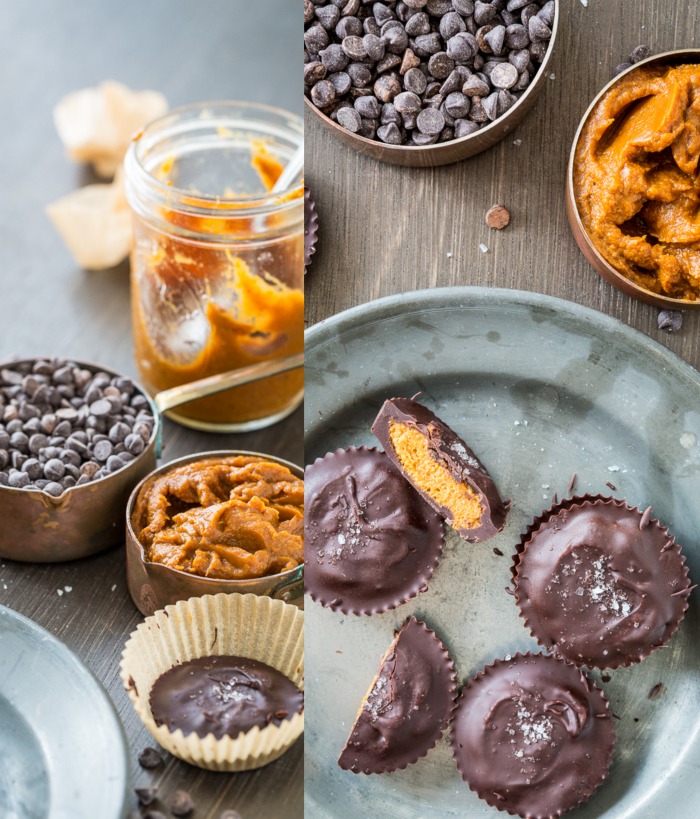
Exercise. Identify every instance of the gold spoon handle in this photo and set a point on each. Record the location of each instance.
(168, 399)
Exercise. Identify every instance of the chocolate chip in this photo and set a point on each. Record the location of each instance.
(641, 52)
(457, 105)
(464, 127)
(349, 119)
(504, 75)
(54, 469)
(389, 133)
(18, 480)
(475, 86)
(33, 468)
(146, 796)
(670, 320)
(150, 758)
(181, 803)
(53, 488)
(497, 217)
(387, 87)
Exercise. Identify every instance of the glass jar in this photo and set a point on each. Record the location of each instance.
(218, 260)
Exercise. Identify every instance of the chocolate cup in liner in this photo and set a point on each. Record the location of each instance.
(634, 649)
(360, 491)
(224, 624)
(153, 586)
(593, 731)
(84, 520)
(419, 717)
(310, 227)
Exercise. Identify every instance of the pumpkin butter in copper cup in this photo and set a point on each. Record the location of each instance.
(216, 522)
(633, 189)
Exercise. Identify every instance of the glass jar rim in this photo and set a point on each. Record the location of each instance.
(185, 118)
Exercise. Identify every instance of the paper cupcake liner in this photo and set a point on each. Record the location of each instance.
(590, 500)
(489, 797)
(446, 661)
(396, 598)
(310, 227)
(258, 628)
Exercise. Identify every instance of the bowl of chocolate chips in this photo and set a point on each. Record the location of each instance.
(75, 438)
(425, 82)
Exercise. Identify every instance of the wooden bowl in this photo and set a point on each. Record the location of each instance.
(583, 240)
(444, 153)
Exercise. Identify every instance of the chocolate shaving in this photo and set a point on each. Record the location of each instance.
(684, 591)
(572, 483)
(498, 552)
(646, 517)
(555, 499)
(216, 637)
(510, 591)
(611, 486)
(655, 691)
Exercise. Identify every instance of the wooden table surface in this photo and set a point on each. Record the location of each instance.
(221, 49)
(387, 230)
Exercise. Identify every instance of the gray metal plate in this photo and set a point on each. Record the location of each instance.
(540, 388)
(63, 753)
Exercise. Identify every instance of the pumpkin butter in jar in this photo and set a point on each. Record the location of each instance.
(217, 261)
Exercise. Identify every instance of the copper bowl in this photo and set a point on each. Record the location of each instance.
(444, 153)
(589, 250)
(153, 585)
(39, 528)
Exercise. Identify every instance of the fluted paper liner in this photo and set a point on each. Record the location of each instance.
(245, 625)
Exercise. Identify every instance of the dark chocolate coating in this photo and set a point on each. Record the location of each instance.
(532, 736)
(408, 706)
(371, 542)
(595, 588)
(223, 696)
(449, 450)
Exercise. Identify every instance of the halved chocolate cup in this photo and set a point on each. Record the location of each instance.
(408, 706)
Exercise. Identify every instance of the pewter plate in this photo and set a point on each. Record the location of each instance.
(540, 388)
(63, 754)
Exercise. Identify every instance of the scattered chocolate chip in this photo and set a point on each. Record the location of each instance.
(150, 758)
(641, 52)
(605, 678)
(655, 691)
(611, 486)
(497, 551)
(620, 68)
(670, 320)
(146, 796)
(497, 217)
(181, 803)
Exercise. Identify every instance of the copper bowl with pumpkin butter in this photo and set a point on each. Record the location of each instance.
(152, 583)
(654, 276)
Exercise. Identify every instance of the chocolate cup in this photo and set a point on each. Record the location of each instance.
(84, 520)
(427, 525)
(601, 747)
(418, 642)
(586, 245)
(153, 586)
(444, 153)
(462, 464)
(581, 502)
